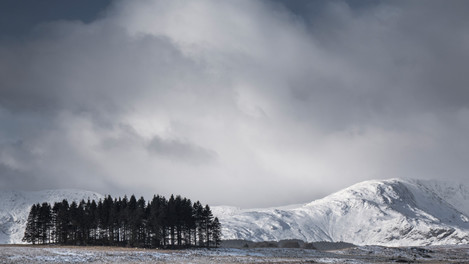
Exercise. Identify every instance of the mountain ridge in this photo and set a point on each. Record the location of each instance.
(15, 206)
(394, 212)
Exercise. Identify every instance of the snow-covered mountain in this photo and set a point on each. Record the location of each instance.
(392, 212)
(15, 206)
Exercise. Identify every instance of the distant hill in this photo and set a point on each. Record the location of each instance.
(15, 206)
(392, 212)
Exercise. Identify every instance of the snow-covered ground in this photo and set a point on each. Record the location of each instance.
(367, 254)
(392, 212)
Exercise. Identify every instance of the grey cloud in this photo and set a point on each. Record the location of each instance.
(176, 150)
(251, 97)
(179, 150)
(79, 67)
(13, 179)
(382, 63)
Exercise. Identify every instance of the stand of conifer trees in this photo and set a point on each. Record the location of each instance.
(160, 223)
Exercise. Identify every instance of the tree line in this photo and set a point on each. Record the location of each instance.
(160, 223)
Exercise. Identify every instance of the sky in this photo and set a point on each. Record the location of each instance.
(243, 103)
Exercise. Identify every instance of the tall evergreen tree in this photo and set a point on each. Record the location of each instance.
(199, 234)
(188, 221)
(124, 220)
(132, 208)
(216, 232)
(63, 218)
(44, 220)
(114, 223)
(207, 222)
(94, 222)
(73, 223)
(171, 219)
(139, 218)
(31, 231)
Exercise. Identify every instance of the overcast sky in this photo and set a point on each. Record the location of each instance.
(245, 103)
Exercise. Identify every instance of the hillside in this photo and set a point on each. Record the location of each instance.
(389, 212)
(15, 206)
(392, 212)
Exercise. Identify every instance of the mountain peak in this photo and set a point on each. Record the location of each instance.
(392, 212)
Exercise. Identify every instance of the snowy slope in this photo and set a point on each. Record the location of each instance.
(15, 206)
(389, 212)
(392, 212)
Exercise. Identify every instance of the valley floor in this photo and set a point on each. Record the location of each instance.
(366, 254)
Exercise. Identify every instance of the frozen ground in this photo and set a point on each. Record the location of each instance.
(366, 254)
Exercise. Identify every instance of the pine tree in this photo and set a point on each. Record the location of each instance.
(216, 232)
(86, 220)
(139, 218)
(178, 219)
(80, 222)
(188, 221)
(73, 223)
(208, 217)
(156, 220)
(94, 222)
(104, 219)
(44, 222)
(124, 220)
(63, 222)
(30, 233)
(172, 218)
(54, 231)
(132, 208)
(199, 225)
(114, 223)
(163, 218)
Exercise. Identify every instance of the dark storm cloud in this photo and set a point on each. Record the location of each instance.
(81, 67)
(266, 98)
(19, 18)
(389, 60)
